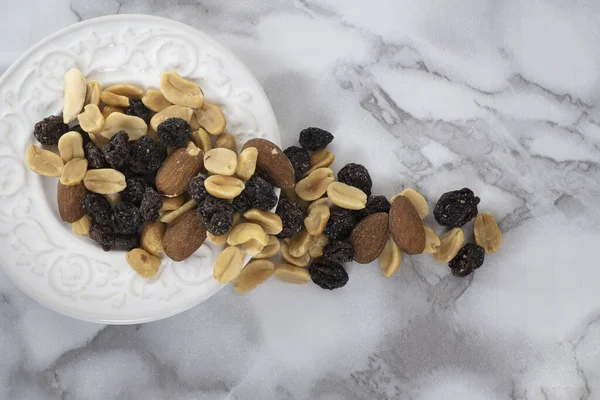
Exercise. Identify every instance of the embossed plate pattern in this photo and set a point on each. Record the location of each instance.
(59, 269)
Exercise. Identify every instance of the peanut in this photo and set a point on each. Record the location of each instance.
(246, 231)
(180, 91)
(299, 244)
(74, 97)
(43, 162)
(390, 258)
(270, 222)
(224, 187)
(301, 261)
(123, 89)
(108, 110)
(320, 159)
(73, 171)
(142, 262)
(317, 244)
(226, 141)
(82, 226)
(91, 119)
(201, 139)
(317, 219)
(271, 249)
(151, 238)
(450, 244)
(170, 216)
(220, 161)
(113, 198)
(115, 122)
(323, 200)
(174, 111)
(104, 181)
(487, 233)
(115, 100)
(228, 264)
(92, 93)
(247, 163)
(253, 274)
(172, 203)
(211, 118)
(346, 196)
(315, 184)
(155, 101)
(292, 274)
(432, 241)
(70, 146)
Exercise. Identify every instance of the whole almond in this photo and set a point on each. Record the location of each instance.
(184, 236)
(272, 164)
(69, 199)
(487, 233)
(417, 199)
(175, 173)
(369, 236)
(104, 181)
(406, 226)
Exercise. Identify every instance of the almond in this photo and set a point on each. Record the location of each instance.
(406, 226)
(369, 236)
(175, 173)
(184, 236)
(272, 164)
(69, 199)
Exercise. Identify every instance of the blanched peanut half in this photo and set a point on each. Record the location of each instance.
(172, 203)
(115, 100)
(224, 187)
(390, 258)
(228, 264)
(270, 222)
(74, 94)
(253, 274)
(115, 122)
(432, 241)
(202, 140)
(151, 238)
(246, 231)
(320, 159)
(487, 233)
(92, 93)
(74, 171)
(346, 196)
(247, 163)
(220, 161)
(125, 89)
(323, 200)
(317, 219)
(155, 101)
(113, 198)
(299, 244)
(292, 274)
(142, 262)
(104, 181)
(450, 244)
(91, 119)
(211, 118)
(222, 239)
(301, 261)
(180, 91)
(170, 216)
(317, 244)
(416, 199)
(315, 184)
(43, 162)
(271, 249)
(108, 110)
(70, 146)
(253, 247)
(194, 123)
(82, 226)
(226, 141)
(175, 111)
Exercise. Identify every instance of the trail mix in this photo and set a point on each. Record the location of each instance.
(153, 172)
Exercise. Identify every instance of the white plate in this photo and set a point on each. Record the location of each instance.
(72, 274)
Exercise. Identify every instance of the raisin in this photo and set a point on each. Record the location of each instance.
(174, 132)
(216, 215)
(292, 217)
(300, 160)
(315, 139)
(138, 109)
(116, 151)
(356, 175)
(126, 242)
(468, 259)
(97, 207)
(50, 129)
(340, 224)
(95, 157)
(241, 203)
(134, 191)
(103, 235)
(84, 135)
(337, 251)
(456, 208)
(196, 189)
(126, 218)
(328, 275)
(151, 204)
(146, 156)
(258, 193)
(374, 205)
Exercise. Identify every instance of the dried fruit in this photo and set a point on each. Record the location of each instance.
(152, 237)
(487, 233)
(151, 204)
(125, 89)
(134, 191)
(103, 235)
(92, 93)
(226, 141)
(69, 199)
(155, 101)
(104, 181)
(300, 160)
(180, 91)
(85, 137)
(95, 157)
(375, 204)
(70, 146)
(356, 175)
(257, 193)
(253, 274)
(211, 118)
(220, 161)
(224, 187)
(175, 111)
(291, 274)
(146, 156)
(43, 162)
(74, 94)
(315, 184)
(135, 127)
(340, 224)
(390, 258)
(184, 236)
(216, 215)
(179, 168)
(50, 129)
(73, 172)
(299, 243)
(113, 99)
(170, 216)
(228, 264)
(450, 244)
(317, 244)
(345, 196)
(174, 132)
(301, 261)
(97, 207)
(222, 239)
(82, 225)
(116, 151)
(270, 222)
(272, 164)
(247, 163)
(328, 275)
(338, 251)
(317, 218)
(91, 119)
(320, 159)
(142, 262)
(417, 200)
(432, 241)
(292, 217)
(126, 218)
(456, 208)
(468, 259)
(138, 109)
(197, 190)
(369, 237)
(315, 139)
(406, 226)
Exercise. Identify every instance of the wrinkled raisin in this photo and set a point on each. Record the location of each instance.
(338, 251)
(356, 175)
(146, 156)
(103, 235)
(258, 193)
(151, 204)
(134, 191)
(126, 218)
(315, 139)
(300, 160)
(292, 217)
(174, 132)
(196, 189)
(116, 151)
(127, 242)
(95, 157)
(468, 259)
(328, 275)
(138, 109)
(216, 215)
(84, 135)
(97, 207)
(340, 224)
(374, 205)
(456, 208)
(50, 129)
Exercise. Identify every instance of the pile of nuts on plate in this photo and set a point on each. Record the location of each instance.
(154, 172)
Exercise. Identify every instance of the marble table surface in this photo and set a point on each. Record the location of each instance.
(497, 95)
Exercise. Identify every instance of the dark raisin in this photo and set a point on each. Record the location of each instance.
(103, 235)
(456, 208)
(300, 160)
(97, 207)
(216, 215)
(116, 151)
(95, 157)
(127, 242)
(328, 275)
(292, 217)
(340, 224)
(151, 204)
(126, 218)
(174, 132)
(258, 193)
(315, 139)
(196, 189)
(374, 205)
(468, 259)
(84, 135)
(138, 109)
(50, 129)
(134, 191)
(146, 156)
(241, 203)
(356, 175)
(338, 251)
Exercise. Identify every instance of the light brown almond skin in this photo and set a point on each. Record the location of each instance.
(184, 236)
(69, 199)
(406, 226)
(175, 173)
(272, 164)
(369, 236)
